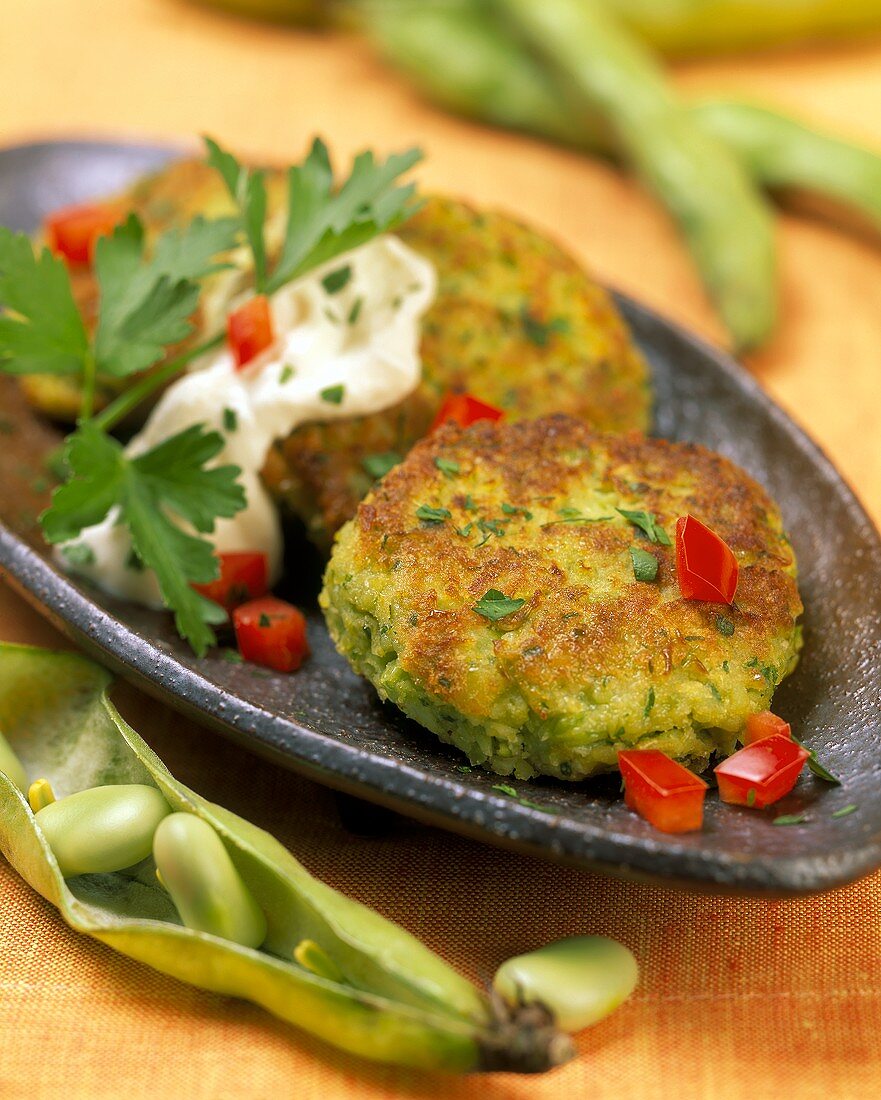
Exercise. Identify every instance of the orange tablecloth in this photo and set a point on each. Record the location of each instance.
(738, 998)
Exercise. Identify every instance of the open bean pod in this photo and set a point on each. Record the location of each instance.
(379, 992)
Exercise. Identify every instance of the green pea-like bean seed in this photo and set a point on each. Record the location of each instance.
(580, 979)
(209, 893)
(314, 958)
(102, 829)
(11, 766)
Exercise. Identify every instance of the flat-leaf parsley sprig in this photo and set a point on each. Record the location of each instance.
(146, 301)
(324, 219)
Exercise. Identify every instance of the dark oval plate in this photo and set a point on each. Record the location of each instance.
(326, 722)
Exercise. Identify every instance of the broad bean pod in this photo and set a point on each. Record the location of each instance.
(380, 993)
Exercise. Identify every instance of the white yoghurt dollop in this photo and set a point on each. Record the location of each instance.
(323, 341)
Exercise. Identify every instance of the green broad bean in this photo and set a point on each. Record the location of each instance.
(208, 892)
(40, 794)
(102, 829)
(11, 766)
(328, 964)
(579, 980)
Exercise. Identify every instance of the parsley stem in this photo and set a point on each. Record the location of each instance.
(120, 408)
(90, 371)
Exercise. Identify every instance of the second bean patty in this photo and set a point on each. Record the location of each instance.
(593, 659)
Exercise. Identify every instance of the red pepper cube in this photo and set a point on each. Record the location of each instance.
(463, 409)
(249, 330)
(762, 773)
(765, 724)
(662, 791)
(272, 633)
(243, 576)
(706, 567)
(73, 231)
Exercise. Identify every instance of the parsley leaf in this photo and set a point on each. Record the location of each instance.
(816, 767)
(326, 220)
(648, 524)
(432, 515)
(378, 465)
(333, 395)
(504, 788)
(170, 478)
(447, 466)
(146, 303)
(42, 330)
(495, 605)
(539, 332)
(790, 819)
(724, 625)
(645, 565)
(247, 189)
(334, 281)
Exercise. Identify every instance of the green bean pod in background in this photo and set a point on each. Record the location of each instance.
(690, 28)
(394, 1000)
(464, 59)
(723, 216)
(785, 155)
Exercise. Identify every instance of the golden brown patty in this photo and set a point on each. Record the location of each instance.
(594, 659)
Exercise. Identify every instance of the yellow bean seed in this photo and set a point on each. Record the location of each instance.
(11, 766)
(580, 979)
(208, 891)
(102, 829)
(40, 794)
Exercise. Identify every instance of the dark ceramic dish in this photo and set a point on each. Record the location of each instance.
(325, 722)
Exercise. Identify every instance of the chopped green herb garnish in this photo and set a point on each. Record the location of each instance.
(464, 769)
(469, 504)
(724, 625)
(230, 420)
(432, 515)
(726, 667)
(334, 281)
(264, 621)
(231, 655)
(489, 527)
(573, 515)
(751, 797)
(539, 332)
(516, 509)
(447, 466)
(355, 311)
(648, 524)
(287, 373)
(790, 819)
(333, 395)
(845, 810)
(378, 465)
(645, 565)
(536, 806)
(714, 691)
(465, 531)
(649, 703)
(495, 605)
(816, 767)
(77, 553)
(503, 788)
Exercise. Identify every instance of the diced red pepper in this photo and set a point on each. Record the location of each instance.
(271, 632)
(243, 576)
(463, 409)
(249, 330)
(762, 773)
(662, 791)
(73, 231)
(705, 565)
(765, 724)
